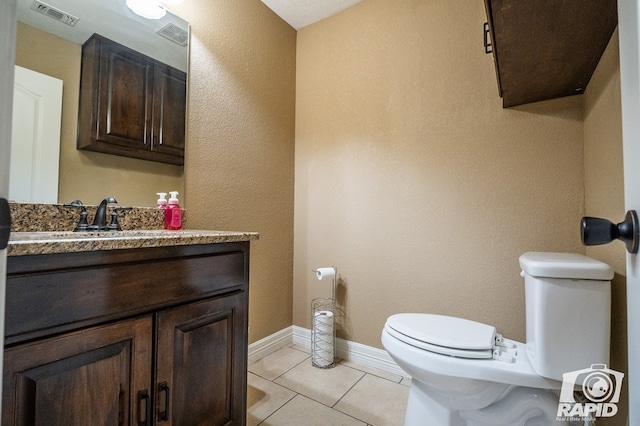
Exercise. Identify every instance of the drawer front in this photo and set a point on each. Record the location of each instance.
(39, 304)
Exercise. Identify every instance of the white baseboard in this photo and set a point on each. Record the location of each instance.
(270, 344)
(351, 351)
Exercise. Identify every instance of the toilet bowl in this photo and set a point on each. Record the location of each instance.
(465, 373)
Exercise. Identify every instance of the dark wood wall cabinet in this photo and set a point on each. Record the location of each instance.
(546, 49)
(130, 104)
(154, 336)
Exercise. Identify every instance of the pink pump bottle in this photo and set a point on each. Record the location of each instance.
(162, 200)
(173, 214)
(162, 205)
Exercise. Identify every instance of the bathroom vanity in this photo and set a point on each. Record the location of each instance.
(132, 327)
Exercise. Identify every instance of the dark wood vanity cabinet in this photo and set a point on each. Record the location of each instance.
(99, 376)
(195, 367)
(130, 104)
(152, 336)
(547, 49)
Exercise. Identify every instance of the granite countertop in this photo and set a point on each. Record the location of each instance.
(32, 243)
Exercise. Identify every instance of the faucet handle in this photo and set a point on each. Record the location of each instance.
(82, 223)
(114, 225)
(77, 204)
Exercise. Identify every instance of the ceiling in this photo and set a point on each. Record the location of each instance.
(300, 13)
(111, 19)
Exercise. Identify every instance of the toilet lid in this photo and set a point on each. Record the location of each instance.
(445, 335)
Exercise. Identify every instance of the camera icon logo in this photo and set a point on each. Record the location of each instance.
(590, 393)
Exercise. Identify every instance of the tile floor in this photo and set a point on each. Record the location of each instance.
(285, 389)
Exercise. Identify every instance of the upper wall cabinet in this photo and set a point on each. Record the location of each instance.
(130, 104)
(546, 49)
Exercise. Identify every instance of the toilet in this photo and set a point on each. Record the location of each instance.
(465, 373)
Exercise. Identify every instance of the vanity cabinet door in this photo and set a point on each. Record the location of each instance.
(201, 363)
(169, 113)
(124, 97)
(98, 376)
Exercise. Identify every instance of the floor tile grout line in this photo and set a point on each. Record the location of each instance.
(262, 377)
(350, 415)
(320, 402)
(306, 396)
(374, 374)
(354, 367)
(314, 400)
(291, 368)
(348, 390)
(293, 346)
(367, 370)
(282, 374)
(294, 391)
(364, 373)
(345, 394)
(278, 409)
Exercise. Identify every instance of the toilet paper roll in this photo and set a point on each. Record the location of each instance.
(322, 351)
(329, 272)
(324, 322)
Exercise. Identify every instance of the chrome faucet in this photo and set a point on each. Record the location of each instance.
(100, 219)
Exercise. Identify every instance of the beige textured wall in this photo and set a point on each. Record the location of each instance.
(604, 175)
(413, 180)
(89, 176)
(604, 193)
(239, 163)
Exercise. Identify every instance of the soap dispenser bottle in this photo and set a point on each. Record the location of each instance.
(162, 205)
(162, 200)
(173, 215)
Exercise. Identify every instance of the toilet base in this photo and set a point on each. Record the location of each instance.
(509, 406)
(423, 409)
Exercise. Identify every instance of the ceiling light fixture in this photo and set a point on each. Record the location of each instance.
(149, 9)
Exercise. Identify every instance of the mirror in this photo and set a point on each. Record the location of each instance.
(87, 175)
(164, 39)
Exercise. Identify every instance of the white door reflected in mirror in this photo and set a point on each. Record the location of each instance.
(35, 137)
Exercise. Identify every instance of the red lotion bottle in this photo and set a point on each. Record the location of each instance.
(173, 214)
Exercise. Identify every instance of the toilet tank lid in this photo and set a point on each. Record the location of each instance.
(565, 265)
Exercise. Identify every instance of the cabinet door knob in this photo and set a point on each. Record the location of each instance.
(163, 415)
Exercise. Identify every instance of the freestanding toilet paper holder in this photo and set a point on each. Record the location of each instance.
(323, 321)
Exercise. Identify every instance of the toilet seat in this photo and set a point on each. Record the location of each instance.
(444, 335)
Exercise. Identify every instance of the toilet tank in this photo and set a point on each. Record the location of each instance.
(568, 311)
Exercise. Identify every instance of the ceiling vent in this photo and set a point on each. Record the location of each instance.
(54, 13)
(174, 33)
